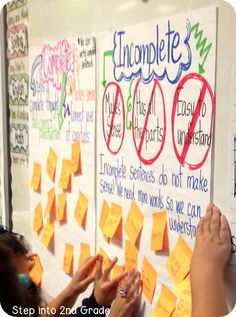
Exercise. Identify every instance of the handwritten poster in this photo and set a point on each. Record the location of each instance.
(17, 53)
(155, 118)
(18, 80)
(62, 141)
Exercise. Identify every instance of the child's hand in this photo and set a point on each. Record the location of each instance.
(30, 259)
(105, 289)
(81, 278)
(127, 297)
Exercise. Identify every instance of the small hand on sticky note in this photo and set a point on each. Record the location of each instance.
(81, 278)
(105, 289)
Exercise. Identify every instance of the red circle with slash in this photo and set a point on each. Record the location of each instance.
(182, 157)
(118, 98)
(139, 146)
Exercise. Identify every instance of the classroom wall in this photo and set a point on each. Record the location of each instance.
(90, 17)
(17, 75)
(47, 19)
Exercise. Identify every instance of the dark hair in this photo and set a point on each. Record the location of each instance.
(12, 292)
(10, 289)
(14, 241)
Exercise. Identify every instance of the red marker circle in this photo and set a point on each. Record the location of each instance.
(118, 99)
(139, 145)
(182, 157)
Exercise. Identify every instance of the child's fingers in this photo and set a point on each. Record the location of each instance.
(135, 299)
(116, 281)
(87, 264)
(134, 289)
(132, 275)
(107, 271)
(224, 229)
(207, 218)
(200, 228)
(30, 256)
(98, 272)
(215, 222)
(85, 283)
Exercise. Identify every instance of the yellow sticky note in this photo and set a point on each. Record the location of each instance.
(76, 158)
(65, 177)
(149, 279)
(134, 223)
(106, 259)
(51, 203)
(159, 230)
(81, 209)
(183, 309)
(38, 218)
(117, 271)
(131, 256)
(36, 178)
(84, 255)
(84, 252)
(183, 290)
(61, 207)
(165, 304)
(178, 263)
(51, 164)
(36, 273)
(113, 220)
(68, 259)
(104, 214)
(47, 234)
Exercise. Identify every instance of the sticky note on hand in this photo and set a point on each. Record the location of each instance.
(76, 158)
(51, 164)
(36, 273)
(65, 177)
(149, 280)
(84, 252)
(36, 178)
(61, 207)
(159, 241)
(178, 263)
(38, 218)
(47, 234)
(113, 221)
(134, 223)
(84, 255)
(106, 259)
(81, 209)
(68, 259)
(165, 304)
(131, 256)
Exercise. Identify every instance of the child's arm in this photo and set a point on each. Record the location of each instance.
(78, 285)
(210, 256)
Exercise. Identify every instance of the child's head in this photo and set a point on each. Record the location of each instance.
(16, 288)
(17, 247)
